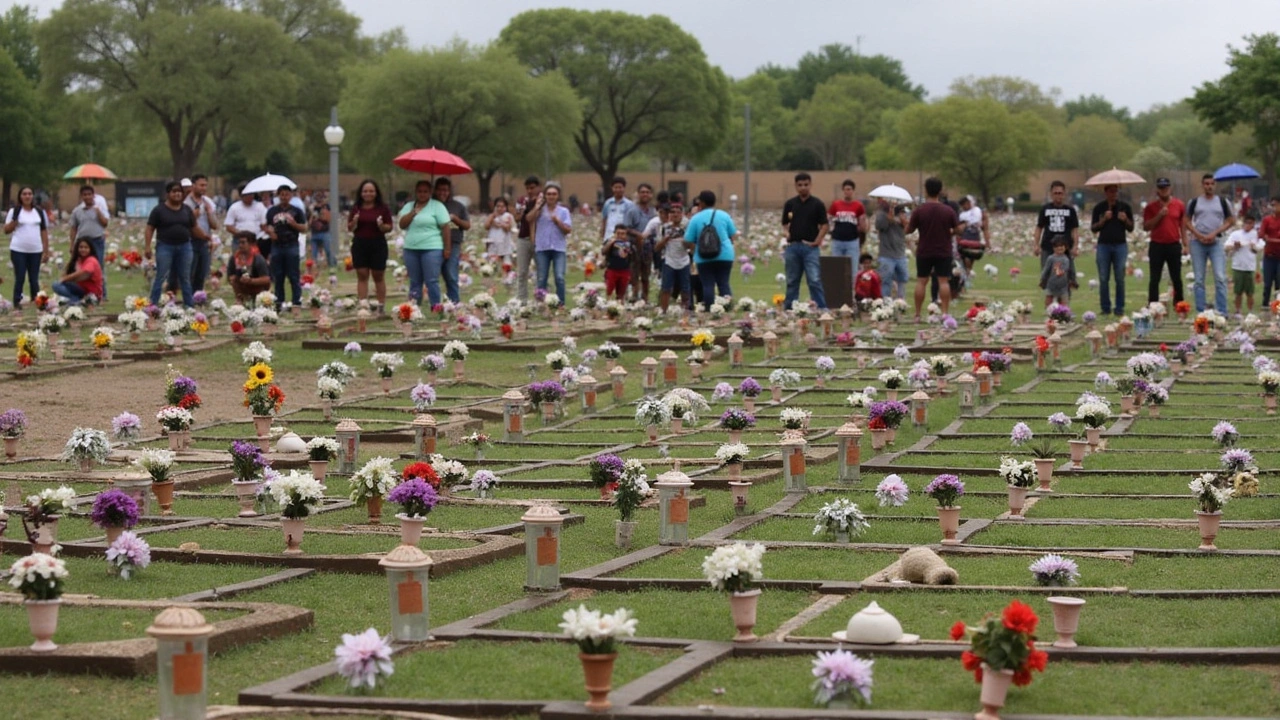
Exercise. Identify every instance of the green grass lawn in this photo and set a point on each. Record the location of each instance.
(1252, 508)
(84, 624)
(910, 532)
(91, 576)
(271, 541)
(1119, 536)
(779, 564)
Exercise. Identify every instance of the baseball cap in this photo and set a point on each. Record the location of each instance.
(1163, 182)
(185, 182)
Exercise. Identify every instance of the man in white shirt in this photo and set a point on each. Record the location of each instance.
(250, 215)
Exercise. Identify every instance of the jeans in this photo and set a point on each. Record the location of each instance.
(545, 259)
(801, 259)
(100, 252)
(175, 259)
(1214, 254)
(320, 241)
(285, 261)
(1111, 258)
(449, 270)
(677, 279)
(199, 265)
(1163, 254)
(1270, 278)
(25, 265)
(714, 277)
(524, 255)
(895, 274)
(69, 290)
(424, 269)
(846, 248)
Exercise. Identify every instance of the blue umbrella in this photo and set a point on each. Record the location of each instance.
(1235, 171)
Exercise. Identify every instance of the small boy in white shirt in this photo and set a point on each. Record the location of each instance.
(1243, 245)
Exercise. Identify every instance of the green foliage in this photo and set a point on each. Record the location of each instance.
(1234, 146)
(18, 38)
(1096, 105)
(1145, 123)
(815, 68)
(31, 144)
(1248, 95)
(772, 127)
(1187, 138)
(1092, 143)
(1015, 93)
(843, 116)
(1151, 161)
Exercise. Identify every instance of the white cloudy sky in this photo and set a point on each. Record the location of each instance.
(1134, 52)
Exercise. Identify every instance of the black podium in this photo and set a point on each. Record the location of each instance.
(837, 280)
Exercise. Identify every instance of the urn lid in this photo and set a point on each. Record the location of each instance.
(427, 420)
(179, 622)
(405, 557)
(291, 443)
(873, 625)
(348, 425)
(542, 513)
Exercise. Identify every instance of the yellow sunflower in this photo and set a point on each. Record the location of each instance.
(260, 374)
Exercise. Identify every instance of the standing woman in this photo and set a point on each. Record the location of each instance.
(29, 244)
(423, 221)
(170, 224)
(552, 224)
(369, 222)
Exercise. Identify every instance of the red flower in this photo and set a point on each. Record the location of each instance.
(1006, 350)
(1042, 343)
(24, 360)
(421, 470)
(506, 267)
(977, 674)
(1021, 678)
(506, 331)
(310, 263)
(308, 279)
(237, 327)
(957, 630)
(1164, 348)
(189, 402)
(1019, 618)
(970, 661)
(1037, 660)
(611, 487)
(877, 424)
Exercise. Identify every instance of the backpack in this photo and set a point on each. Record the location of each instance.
(1226, 209)
(709, 240)
(17, 210)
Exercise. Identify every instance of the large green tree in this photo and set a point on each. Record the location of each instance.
(977, 143)
(645, 83)
(1152, 161)
(1096, 105)
(843, 116)
(1249, 95)
(475, 102)
(32, 147)
(1017, 94)
(18, 38)
(1188, 138)
(815, 68)
(772, 126)
(1092, 143)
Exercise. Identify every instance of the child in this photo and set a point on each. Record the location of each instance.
(676, 277)
(617, 258)
(1243, 244)
(1055, 277)
(866, 285)
(498, 244)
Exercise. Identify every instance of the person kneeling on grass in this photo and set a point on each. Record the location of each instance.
(84, 275)
(247, 270)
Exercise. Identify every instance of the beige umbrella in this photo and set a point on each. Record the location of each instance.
(1115, 176)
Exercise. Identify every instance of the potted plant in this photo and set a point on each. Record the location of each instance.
(457, 351)
(678, 408)
(44, 509)
(320, 452)
(114, 511)
(39, 578)
(329, 390)
(780, 380)
(1057, 571)
(632, 489)
(941, 365)
(1157, 396)
(651, 413)
(1019, 476)
(371, 483)
(840, 518)
(263, 398)
(295, 493)
(557, 360)
(610, 352)
(858, 403)
(731, 456)
(841, 680)
(416, 497)
(735, 421)
(386, 364)
(606, 470)
(128, 554)
(886, 415)
(433, 363)
(1094, 413)
(86, 446)
(824, 366)
(247, 464)
(597, 637)
(1211, 492)
(794, 418)
(892, 379)
(947, 489)
(158, 464)
(733, 568)
(13, 425)
(750, 390)
(1270, 382)
(478, 442)
(126, 427)
(483, 483)
(1002, 651)
(545, 395)
(176, 422)
(451, 472)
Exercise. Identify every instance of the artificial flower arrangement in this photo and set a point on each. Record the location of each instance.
(432, 362)
(1236, 460)
(546, 391)
(750, 388)
(840, 675)
(38, 576)
(352, 349)
(1058, 312)
(376, 478)
(1017, 473)
(337, 370)
(451, 472)
(946, 489)
(114, 508)
(29, 345)
(174, 418)
(892, 378)
(892, 491)
(858, 400)
(1055, 571)
(328, 388)
(605, 470)
(642, 323)
(732, 568)
(156, 463)
(1001, 643)
(722, 391)
(824, 366)
(13, 423)
(794, 418)
(838, 517)
(1225, 434)
(180, 390)
(610, 351)
(364, 660)
(477, 440)
(737, 420)
(631, 489)
(886, 414)
(558, 360)
(456, 350)
(408, 313)
(422, 471)
(919, 375)
(128, 554)
(415, 496)
(102, 338)
(386, 363)
(86, 444)
(296, 493)
(256, 353)
(783, 378)
(597, 634)
(1211, 492)
(247, 461)
(703, 339)
(1020, 434)
(652, 411)
(423, 397)
(1094, 412)
(49, 503)
(1270, 381)
(730, 453)
(261, 395)
(322, 449)
(484, 481)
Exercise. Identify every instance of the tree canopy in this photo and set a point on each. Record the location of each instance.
(843, 116)
(1249, 95)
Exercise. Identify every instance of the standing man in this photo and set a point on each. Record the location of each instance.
(459, 224)
(524, 242)
(285, 222)
(1208, 216)
(321, 222)
(1162, 218)
(1112, 221)
(642, 213)
(805, 219)
(202, 235)
(848, 224)
(249, 215)
(616, 210)
(1058, 218)
(891, 225)
(89, 221)
(1270, 234)
(937, 223)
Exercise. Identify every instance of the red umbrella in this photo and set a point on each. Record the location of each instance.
(433, 162)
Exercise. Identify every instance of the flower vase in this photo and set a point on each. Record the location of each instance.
(113, 532)
(386, 386)
(86, 465)
(742, 605)
(459, 370)
(374, 506)
(598, 673)
(949, 518)
(623, 532)
(879, 436)
(410, 529)
(1044, 473)
(1208, 528)
(1094, 436)
(1153, 411)
(652, 430)
(695, 370)
(995, 688)
(184, 437)
(997, 379)
(642, 335)
(175, 440)
(46, 535)
(842, 537)
(735, 436)
(326, 406)
(820, 381)
(42, 618)
(1066, 619)
(1077, 453)
(775, 393)
(164, 496)
(262, 425)
(11, 447)
(677, 425)
(104, 354)
(735, 470)
(1126, 404)
(890, 434)
(548, 413)
(749, 403)
(292, 528)
(891, 394)
(1017, 501)
(245, 495)
(1269, 403)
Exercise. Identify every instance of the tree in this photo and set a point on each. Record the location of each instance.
(478, 103)
(1235, 146)
(31, 147)
(644, 82)
(1092, 143)
(843, 116)
(1153, 161)
(978, 142)
(1145, 123)
(1188, 138)
(1248, 95)
(1096, 105)
(18, 38)
(815, 68)
(771, 125)
(1015, 93)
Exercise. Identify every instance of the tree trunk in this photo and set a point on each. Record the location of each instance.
(8, 188)
(484, 178)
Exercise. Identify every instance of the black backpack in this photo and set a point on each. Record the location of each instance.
(1226, 208)
(44, 223)
(709, 240)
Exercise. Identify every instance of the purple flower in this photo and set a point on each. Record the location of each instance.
(750, 388)
(365, 658)
(545, 391)
(416, 497)
(1060, 421)
(1102, 380)
(540, 295)
(129, 552)
(605, 469)
(184, 385)
(1089, 316)
(737, 419)
(352, 348)
(199, 297)
(892, 491)
(841, 673)
(891, 412)
(1224, 433)
(114, 508)
(949, 323)
(748, 269)
(483, 480)
(1021, 434)
(946, 489)
(1236, 459)
(723, 391)
(824, 364)
(126, 426)
(1055, 571)
(246, 460)
(13, 423)
(423, 396)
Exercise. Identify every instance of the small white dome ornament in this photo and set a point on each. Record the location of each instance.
(291, 443)
(872, 625)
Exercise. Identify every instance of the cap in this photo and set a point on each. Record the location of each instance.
(185, 182)
(1163, 182)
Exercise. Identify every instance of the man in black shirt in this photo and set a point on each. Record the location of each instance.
(805, 219)
(1058, 218)
(284, 223)
(1112, 219)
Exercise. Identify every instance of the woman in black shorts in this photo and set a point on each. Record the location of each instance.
(369, 222)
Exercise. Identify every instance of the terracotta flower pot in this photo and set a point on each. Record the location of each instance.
(742, 605)
(995, 688)
(262, 425)
(175, 440)
(42, 618)
(891, 395)
(11, 448)
(293, 528)
(1017, 501)
(374, 505)
(879, 437)
(113, 533)
(949, 518)
(410, 529)
(652, 431)
(1269, 402)
(46, 535)
(1078, 448)
(164, 496)
(1066, 619)
(735, 436)
(891, 434)
(327, 407)
(1094, 436)
(86, 465)
(775, 393)
(318, 469)
(245, 495)
(1209, 523)
(677, 425)
(386, 386)
(598, 673)
(748, 403)
(623, 532)
(459, 370)
(1044, 473)
(1153, 411)
(1126, 404)
(735, 470)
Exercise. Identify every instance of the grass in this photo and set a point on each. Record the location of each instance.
(446, 518)
(780, 564)
(1119, 536)
(85, 625)
(1255, 508)
(1147, 572)
(270, 541)
(906, 532)
(90, 576)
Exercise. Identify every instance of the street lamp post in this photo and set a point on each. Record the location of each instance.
(334, 135)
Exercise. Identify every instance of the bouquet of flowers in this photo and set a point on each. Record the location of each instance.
(38, 576)
(1225, 434)
(477, 440)
(840, 516)
(548, 391)
(336, 370)
(631, 490)
(256, 353)
(129, 553)
(456, 350)
(415, 497)
(557, 360)
(1060, 313)
(322, 449)
(841, 674)
(376, 478)
(783, 378)
(1146, 365)
(722, 391)
(889, 412)
(652, 411)
(997, 361)
(737, 419)
(386, 363)
(247, 461)
(126, 427)
(1017, 473)
(180, 390)
(892, 378)
(423, 397)
(86, 444)
(29, 344)
(364, 659)
(261, 395)
(1055, 571)
(750, 388)
(946, 489)
(408, 313)
(48, 503)
(685, 403)
(892, 491)
(296, 493)
(156, 463)
(824, 366)
(114, 508)
(729, 453)
(732, 568)
(1210, 492)
(1093, 413)
(610, 350)
(597, 634)
(794, 418)
(1020, 434)
(432, 363)
(484, 480)
(102, 338)
(1270, 381)
(13, 423)
(328, 388)
(1004, 643)
(919, 375)
(942, 364)
(642, 323)
(703, 339)
(858, 401)
(450, 472)
(175, 419)
(605, 470)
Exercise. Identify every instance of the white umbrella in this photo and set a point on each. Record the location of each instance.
(891, 192)
(268, 183)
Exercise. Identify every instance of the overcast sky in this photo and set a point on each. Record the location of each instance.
(1136, 53)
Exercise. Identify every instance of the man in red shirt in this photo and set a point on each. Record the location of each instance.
(937, 222)
(1270, 232)
(848, 223)
(1162, 217)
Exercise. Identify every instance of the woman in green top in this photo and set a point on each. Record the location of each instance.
(422, 221)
